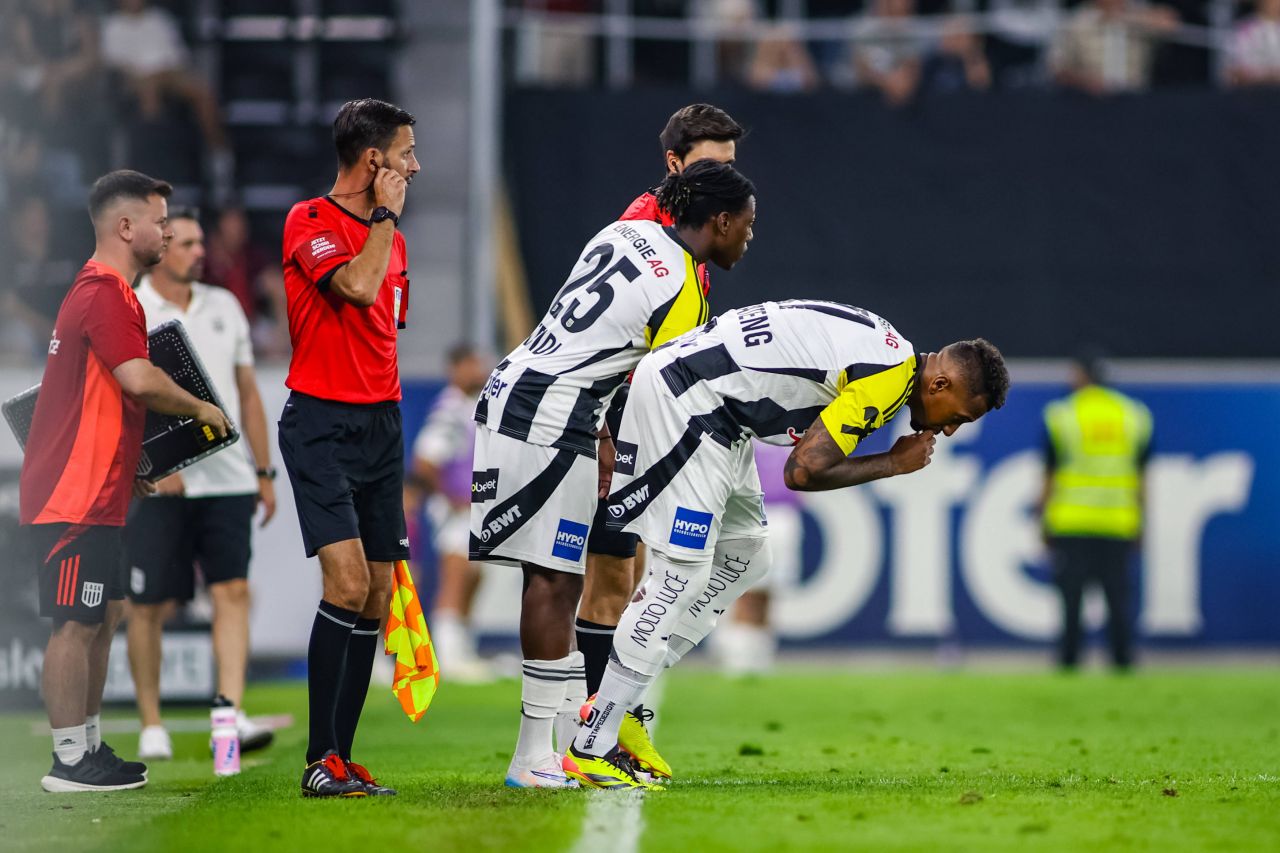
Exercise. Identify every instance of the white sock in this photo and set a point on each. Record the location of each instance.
(575, 694)
(92, 732)
(620, 690)
(69, 744)
(677, 648)
(542, 692)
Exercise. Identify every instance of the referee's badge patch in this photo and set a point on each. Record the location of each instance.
(91, 594)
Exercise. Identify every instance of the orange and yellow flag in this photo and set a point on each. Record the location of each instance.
(417, 671)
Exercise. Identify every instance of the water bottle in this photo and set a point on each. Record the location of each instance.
(226, 737)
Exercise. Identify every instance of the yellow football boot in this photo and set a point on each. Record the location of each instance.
(612, 772)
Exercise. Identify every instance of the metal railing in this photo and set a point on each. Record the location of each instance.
(619, 30)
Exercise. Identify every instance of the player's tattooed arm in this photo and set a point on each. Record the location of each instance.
(817, 463)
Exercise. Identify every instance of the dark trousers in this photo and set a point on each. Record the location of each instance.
(1079, 561)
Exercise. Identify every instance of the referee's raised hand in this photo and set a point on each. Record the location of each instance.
(388, 190)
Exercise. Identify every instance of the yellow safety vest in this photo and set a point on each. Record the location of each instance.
(1099, 437)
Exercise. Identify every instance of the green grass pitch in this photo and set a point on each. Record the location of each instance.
(815, 759)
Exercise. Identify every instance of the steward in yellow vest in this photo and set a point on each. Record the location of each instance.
(1098, 442)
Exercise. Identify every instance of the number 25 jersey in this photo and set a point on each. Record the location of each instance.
(634, 288)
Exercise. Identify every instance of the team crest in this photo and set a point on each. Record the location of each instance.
(91, 594)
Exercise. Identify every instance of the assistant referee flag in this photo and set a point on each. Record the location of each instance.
(417, 673)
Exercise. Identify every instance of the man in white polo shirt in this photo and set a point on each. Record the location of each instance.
(203, 515)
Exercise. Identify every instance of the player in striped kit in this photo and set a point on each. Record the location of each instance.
(821, 375)
(535, 479)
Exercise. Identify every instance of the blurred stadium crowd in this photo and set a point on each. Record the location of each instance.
(230, 99)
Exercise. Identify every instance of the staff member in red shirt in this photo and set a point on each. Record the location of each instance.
(347, 281)
(78, 472)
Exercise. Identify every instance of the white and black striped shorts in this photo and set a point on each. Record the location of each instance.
(531, 504)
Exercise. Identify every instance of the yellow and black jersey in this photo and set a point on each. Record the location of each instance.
(771, 370)
(634, 288)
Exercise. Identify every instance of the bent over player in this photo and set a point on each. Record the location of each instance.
(693, 133)
(821, 375)
(535, 474)
(347, 279)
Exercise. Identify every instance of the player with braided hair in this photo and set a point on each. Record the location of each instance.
(536, 482)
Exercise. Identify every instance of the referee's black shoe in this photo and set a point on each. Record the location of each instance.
(88, 774)
(108, 758)
(328, 777)
(372, 786)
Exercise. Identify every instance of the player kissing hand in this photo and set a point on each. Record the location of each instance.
(388, 190)
(912, 452)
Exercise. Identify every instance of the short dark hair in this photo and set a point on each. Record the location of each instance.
(124, 183)
(694, 123)
(984, 369)
(1091, 360)
(702, 190)
(366, 123)
(184, 212)
(460, 352)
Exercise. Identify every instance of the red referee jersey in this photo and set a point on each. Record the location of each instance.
(341, 351)
(86, 433)
(646, 208)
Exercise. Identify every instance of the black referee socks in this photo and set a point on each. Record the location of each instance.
(326, 660)
(595, 641)
(361, 649)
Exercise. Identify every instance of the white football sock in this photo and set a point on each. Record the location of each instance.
(542, 693)
(69, 744)
(620, 690)
(574, 695)
(92, 732)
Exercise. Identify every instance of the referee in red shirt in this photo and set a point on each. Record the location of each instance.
(78, 471)
(347, 282)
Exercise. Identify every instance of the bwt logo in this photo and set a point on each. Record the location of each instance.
(624, 461)
(484, 485)
(571, 539)
(499, 524)
(691, 528)
(631, 500)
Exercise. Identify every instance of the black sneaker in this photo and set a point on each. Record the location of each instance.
(88, 774)
(328, 777)
(371, 785)
(107, 756)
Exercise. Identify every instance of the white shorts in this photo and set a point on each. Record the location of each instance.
(531, 504)
(677, 486)
(450, 527)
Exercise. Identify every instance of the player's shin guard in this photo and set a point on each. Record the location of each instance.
(567, 719)
(542, 694)
(739, 565)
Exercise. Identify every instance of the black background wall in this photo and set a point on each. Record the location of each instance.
(1149, 225)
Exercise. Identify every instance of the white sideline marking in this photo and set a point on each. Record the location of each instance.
(613, 820)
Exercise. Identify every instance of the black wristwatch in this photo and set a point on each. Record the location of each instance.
(267, 473)
(380, 214)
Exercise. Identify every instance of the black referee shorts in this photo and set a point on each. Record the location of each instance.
(166, 537)
(346, 465)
